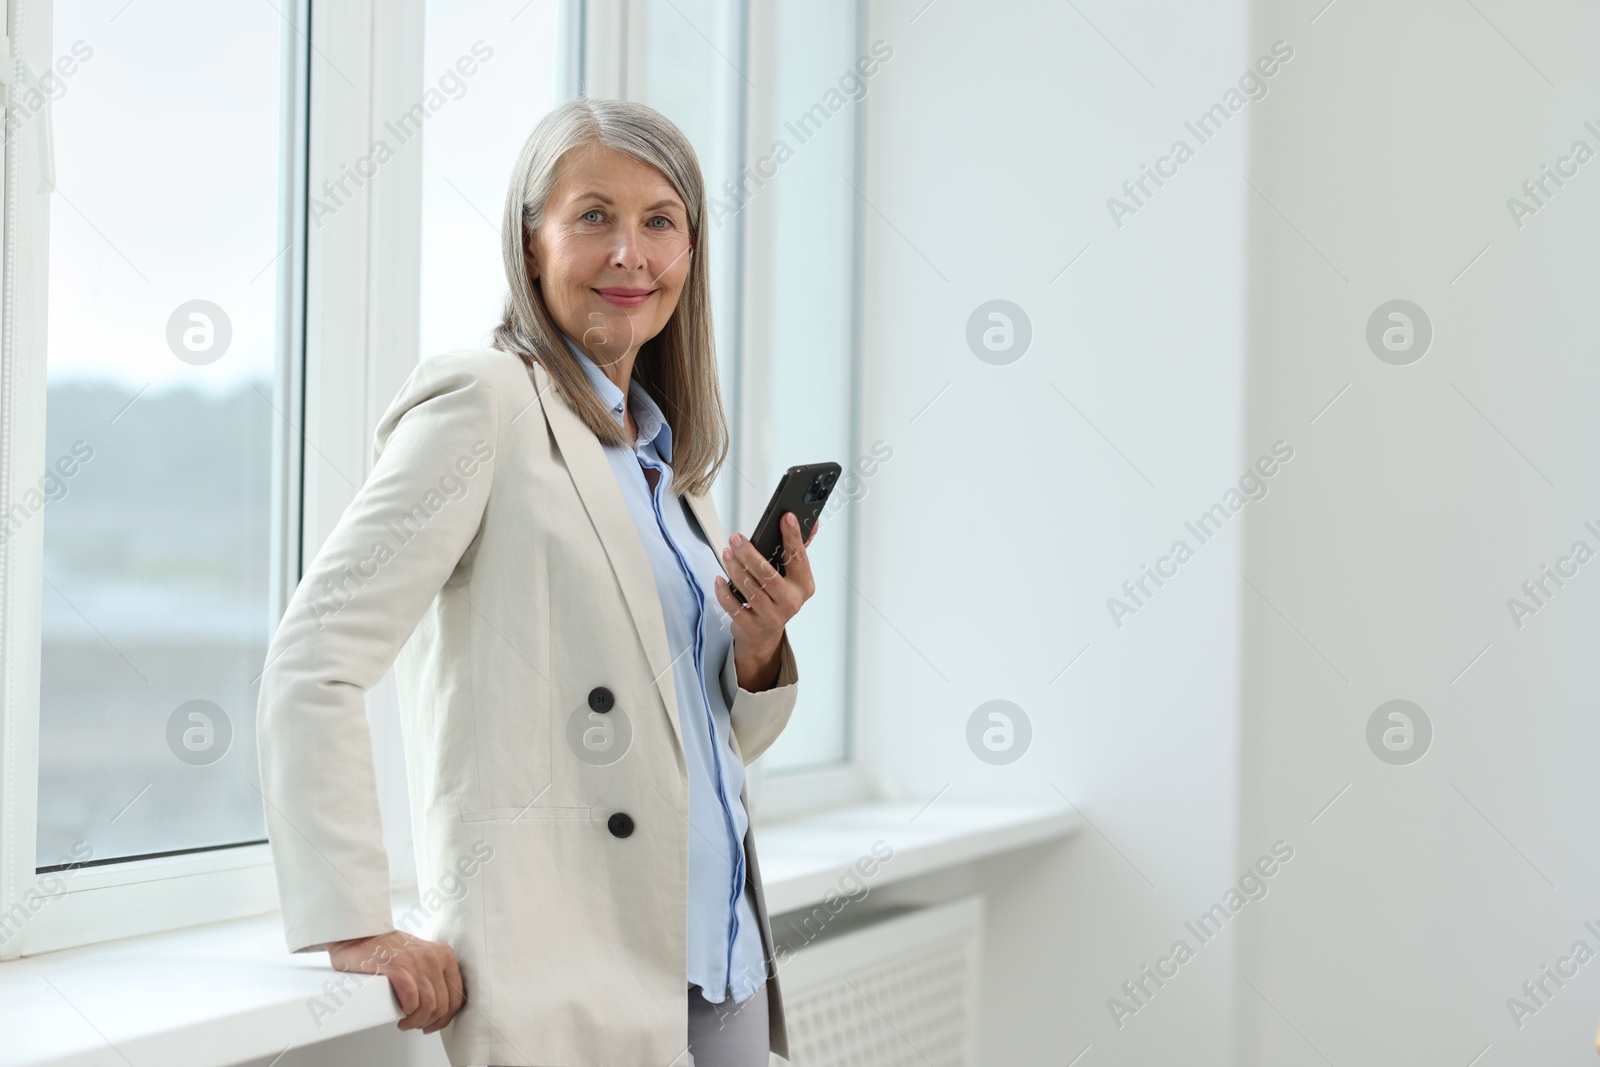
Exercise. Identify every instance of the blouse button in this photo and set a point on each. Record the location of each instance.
(600, 699)
(620, 824)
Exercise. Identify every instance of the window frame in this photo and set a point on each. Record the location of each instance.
(348, 315)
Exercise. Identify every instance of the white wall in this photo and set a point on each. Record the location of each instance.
(1005, 520)
(1416, 505)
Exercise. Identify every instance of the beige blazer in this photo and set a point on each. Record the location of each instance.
(492, 552)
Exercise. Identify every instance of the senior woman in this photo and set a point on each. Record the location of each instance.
(536, 552)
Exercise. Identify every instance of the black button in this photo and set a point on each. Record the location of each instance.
(620, 824)
(600, 699)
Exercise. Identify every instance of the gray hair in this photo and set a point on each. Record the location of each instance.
(678, 367)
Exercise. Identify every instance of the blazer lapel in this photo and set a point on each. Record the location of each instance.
(608, 511)
(707, 514)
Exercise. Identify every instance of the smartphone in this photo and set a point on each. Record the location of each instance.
(803, 490)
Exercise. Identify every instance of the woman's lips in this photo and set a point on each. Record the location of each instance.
(625, 297)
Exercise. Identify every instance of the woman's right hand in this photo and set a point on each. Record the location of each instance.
(423, 974)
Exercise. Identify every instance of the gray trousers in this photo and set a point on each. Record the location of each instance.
(728, 1034)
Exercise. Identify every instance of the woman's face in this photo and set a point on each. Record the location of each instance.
(612, 253)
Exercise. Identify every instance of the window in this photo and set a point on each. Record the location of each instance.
(469, 148)
(168, 413)
(180, 378)
(782, 246)
(782, 238)
(801, 373)
(685, 58)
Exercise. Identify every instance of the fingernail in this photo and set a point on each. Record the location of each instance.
(738, 539)
(727, 553)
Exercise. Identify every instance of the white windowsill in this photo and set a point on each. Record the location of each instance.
(804, 858)
(229, 991)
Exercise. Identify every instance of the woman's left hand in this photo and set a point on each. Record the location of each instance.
(773, 599)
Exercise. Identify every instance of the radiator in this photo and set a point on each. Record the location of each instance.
(893, 986)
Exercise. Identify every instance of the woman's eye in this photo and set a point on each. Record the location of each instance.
(663, 220)
(594, 214)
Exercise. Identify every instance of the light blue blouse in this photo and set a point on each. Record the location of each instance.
(725, 954)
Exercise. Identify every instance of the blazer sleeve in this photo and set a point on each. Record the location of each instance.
(758, 718)
(358, 602)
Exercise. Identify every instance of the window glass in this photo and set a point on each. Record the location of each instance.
(162, 422)
(807, 381)
(688, 68)
(469, 146)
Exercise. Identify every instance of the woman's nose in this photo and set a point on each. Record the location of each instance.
(629, 253)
